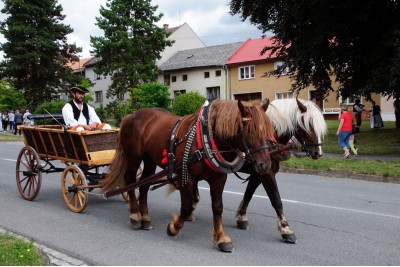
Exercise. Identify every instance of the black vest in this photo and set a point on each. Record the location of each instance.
(77, 111)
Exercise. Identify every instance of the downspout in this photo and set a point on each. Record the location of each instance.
(227, 83)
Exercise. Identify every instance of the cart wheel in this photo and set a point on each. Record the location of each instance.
(137, 193)
(28, 175)
(74, 188)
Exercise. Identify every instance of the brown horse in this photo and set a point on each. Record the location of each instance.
(290, 117)
(235, 126)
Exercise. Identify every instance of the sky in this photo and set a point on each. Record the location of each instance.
(209, 19)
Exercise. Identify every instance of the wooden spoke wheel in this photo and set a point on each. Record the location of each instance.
(125, 194)
(28, 175)
(74, 188)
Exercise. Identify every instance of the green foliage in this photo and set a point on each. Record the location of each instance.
(131, 43)
(54, 107)
(354, 41)
(119, 110)
(150, 95)
(18, 252)
(10, 98)
(36, 51)
(187, 103)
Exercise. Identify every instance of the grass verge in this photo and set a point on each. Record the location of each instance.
(19, 252)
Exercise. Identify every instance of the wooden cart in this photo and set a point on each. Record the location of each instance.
(84, 154)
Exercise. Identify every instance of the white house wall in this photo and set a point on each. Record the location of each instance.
(196, 81)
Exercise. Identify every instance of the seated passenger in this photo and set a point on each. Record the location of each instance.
(79, 115)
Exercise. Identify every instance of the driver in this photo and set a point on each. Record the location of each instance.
(79, 115)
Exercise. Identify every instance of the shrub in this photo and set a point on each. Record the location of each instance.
(187, 103)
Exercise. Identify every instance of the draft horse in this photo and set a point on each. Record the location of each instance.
(306, 123)
(207, 145)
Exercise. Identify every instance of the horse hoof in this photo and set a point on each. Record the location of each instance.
(146, 225)
(226, 247)
(169, 232)
(191, 218)
(289, 238)
(244, 225)
(137, 225)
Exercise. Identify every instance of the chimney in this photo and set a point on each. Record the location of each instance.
(166, 27)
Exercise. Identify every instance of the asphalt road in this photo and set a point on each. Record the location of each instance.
(337, 222)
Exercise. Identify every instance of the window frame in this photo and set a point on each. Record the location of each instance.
(249, 72)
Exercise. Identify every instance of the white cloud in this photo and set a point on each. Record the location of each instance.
(210, 20)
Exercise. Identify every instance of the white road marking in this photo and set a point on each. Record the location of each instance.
(14, 160)
(315, 205)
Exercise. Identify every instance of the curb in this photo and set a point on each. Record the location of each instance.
(55, 258)
(335, 174)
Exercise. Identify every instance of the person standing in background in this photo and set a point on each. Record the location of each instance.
(1, 121)
(18, 119)
(376, 119)
(358, 109)
(11, 120)
(396, 106)
(26, 120)
(345, 130)
(4, 119)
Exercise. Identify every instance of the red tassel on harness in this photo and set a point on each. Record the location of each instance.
(165, 158)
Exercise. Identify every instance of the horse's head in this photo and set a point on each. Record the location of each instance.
(310, 128)
(303, 120)
(245, 127)
(257, 131)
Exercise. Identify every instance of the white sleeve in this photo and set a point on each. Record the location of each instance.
(93, 116)
(68, 115)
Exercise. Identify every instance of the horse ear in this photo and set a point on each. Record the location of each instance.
(301, 106)
(265, 104)
(241, 108)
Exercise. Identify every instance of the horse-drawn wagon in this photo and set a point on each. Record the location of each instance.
(83, 155)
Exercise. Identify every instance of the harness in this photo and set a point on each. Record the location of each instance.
(207, 149)
(77, 111)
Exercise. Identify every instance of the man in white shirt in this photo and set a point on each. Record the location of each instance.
(78, 114)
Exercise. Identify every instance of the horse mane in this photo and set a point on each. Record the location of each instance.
(311, 118)
(226, 120)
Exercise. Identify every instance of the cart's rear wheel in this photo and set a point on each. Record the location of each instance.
(74, 188)
(125, 194)
(28, 175)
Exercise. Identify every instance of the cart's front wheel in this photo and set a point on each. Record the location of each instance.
(74, 188)
(28, 175)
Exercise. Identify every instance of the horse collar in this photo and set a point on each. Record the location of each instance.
(205, 142)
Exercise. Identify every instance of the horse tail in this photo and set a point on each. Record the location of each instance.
(116, 176)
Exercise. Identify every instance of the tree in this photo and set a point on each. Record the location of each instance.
(36, 52)
(131, 44)
(150, 95)
(187, 103)
(10, 98)
(356, 42)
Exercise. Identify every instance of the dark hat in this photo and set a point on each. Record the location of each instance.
(80, 89)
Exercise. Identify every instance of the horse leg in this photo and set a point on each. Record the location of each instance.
(149, 169)
(219, 236)
(195, 200)
(130, 177)
(177, 222)
(242, 220)
(270, 186)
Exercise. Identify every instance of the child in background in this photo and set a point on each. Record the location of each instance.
(352, 141)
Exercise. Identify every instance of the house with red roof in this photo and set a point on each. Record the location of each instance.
(247, 80)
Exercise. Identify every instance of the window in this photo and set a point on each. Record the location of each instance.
(213, 92)
(285, 95)
(184, 77)
(120, 96)
(179, 92)
(247, 72)
(173, 79)
(248, 96)
(166, 79)
(206, 74)
(217, 73)
(281, 67)
(350, 100)
(99, 96)
(97, 76)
